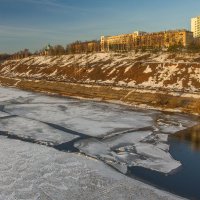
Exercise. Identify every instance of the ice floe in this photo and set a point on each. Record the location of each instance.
(118, 135)
(31, 171)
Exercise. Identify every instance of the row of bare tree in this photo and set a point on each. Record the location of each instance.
(21, 54)
(82, 47)
(4, 56)
(73, 48)
(58, 50)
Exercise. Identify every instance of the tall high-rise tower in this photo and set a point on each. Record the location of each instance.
(195, 26)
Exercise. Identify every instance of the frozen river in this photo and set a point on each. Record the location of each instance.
(64, 148)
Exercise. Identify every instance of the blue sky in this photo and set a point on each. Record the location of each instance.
(34, 23)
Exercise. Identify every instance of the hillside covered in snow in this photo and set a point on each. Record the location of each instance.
(167, 81)
(177, 72)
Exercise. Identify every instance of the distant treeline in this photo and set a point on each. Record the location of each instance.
(73, 48)
(21, 54)
(90, 47)
(4, 56)
(58, 50)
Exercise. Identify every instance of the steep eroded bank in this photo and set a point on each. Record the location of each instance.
(162, 80)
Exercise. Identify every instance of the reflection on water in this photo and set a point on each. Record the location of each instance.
(192, 135)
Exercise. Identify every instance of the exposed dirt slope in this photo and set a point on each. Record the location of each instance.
(175, 72)
(164, 81)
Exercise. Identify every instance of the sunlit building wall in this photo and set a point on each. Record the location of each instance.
(195, 26)
(164, 39)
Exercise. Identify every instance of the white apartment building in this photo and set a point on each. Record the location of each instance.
(195, 26)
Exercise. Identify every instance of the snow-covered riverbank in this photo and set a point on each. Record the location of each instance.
(168, 71)
(119, 136)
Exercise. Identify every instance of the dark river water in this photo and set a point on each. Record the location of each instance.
(185, 147)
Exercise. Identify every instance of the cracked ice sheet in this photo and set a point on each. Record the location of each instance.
(173, 123)
(132, 149)
(8, 94)
(3, 114)
(26, 128)
(91, 118)
(128, 138)
(156, 158)
(31, 172)
(16, 96)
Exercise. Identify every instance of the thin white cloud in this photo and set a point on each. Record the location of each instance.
(54, 5)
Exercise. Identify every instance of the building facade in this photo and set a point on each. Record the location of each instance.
(138, 40)
(84, 47)
(195, 26)
(123, 42)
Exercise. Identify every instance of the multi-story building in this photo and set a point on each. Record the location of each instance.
(84, 47)
(195, 26)
(121, 42)
(136, 40)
